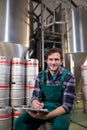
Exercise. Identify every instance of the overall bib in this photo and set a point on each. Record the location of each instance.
(52, 98)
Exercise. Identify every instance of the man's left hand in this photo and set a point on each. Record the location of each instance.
(38, 114)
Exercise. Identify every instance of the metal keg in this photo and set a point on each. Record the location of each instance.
(4, 65)
(29, 89)
(5, 118)
(17, 97)
(17, 86)
(17, 111)
(31, 73)
(32, 67)
(84, 86)
(4, 95)
(4, 80)
(17, 101)
(84, 71)
(18, 66)
(30, 77)
(16, 94)
(84, 90)
(4, 101)
(17, 81)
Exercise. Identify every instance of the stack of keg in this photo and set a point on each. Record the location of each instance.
(17, 82)
(31, 73)
(12, 88)
(84, 86)
(4, 80)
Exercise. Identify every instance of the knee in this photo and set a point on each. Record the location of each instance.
(60, 126)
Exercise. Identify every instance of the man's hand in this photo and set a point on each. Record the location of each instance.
(38, 114)
(37, 104)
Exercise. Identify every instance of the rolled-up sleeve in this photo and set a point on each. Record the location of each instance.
(69, 93)
(36, 93)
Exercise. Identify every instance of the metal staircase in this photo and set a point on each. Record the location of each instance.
(50, 26)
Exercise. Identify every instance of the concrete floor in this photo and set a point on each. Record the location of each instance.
(79, 121)
(76, 127)
(78, 117)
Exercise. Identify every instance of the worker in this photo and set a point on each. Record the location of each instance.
(55, 91)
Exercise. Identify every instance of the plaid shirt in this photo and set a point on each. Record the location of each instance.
(68, 87)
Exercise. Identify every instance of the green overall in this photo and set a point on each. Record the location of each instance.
(52, 98)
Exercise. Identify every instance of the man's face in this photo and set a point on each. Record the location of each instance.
(54, 62)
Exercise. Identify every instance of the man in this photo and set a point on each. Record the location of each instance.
(55, 91)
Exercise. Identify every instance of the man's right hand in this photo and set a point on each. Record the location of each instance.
(37, 104)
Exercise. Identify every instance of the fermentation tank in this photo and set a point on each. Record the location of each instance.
(76, 48)
(79, 30)
(14, 27)
(14, 42)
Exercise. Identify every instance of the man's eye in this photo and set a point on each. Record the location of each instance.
(56, 59)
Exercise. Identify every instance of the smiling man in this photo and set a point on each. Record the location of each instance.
(55, 91)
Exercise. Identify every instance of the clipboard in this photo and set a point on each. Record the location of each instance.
(36, 110)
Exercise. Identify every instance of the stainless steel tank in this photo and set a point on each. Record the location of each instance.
(14, 27)
(77, 30)
(76, 46)
(14, 21)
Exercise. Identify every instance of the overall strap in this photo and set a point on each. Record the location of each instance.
(64, 75)
(62, 78)
(43, 75)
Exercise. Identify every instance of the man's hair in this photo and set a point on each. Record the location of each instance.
(53, 50)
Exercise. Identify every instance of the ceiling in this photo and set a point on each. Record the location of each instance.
(74, 2)
(51, 5)
(80, 2)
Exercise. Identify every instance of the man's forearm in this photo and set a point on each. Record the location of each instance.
(58, 111)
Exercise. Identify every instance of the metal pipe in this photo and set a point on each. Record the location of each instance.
(42, 33)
